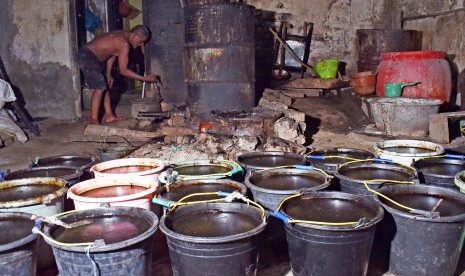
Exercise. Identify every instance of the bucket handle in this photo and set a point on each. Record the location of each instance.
(286, 219)
(429, 214)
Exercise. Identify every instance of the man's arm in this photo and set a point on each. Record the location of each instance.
(110, 63)
(123, 66)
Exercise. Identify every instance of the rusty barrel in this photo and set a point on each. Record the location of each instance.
(219, 56)
(371, 43)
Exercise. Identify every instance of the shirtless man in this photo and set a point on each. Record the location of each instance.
(96, 59)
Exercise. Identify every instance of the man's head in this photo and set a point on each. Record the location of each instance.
(138, 35)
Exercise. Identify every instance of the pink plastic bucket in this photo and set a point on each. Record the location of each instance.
(129, 167)
(133, 192)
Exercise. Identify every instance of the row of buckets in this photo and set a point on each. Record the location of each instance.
(335, 208)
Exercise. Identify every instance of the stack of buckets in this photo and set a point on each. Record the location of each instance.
(209, 229)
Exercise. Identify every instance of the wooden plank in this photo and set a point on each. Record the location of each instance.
(277, 96)
(100, 130)
(439, 131)
(316, 83)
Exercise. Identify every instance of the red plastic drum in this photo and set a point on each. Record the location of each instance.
(428, 67)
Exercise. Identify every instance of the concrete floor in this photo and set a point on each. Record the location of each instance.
(331, 122)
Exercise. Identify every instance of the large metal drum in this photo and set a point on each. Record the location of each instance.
(219, 57)
(371, 43)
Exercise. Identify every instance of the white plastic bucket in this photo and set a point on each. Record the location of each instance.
(141, 199)
(406, 151)
(115, 168)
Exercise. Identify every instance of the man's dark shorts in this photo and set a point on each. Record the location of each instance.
(92, 68)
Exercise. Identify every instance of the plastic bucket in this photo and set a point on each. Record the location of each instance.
(330, 250)
(41, 196)
(327, 69)
(424, 245)
(132, 192)
(269, 187)
(82, 162)
(353, 175)
(459, 181)
(330, 160)
(183, 188)
(71, 175)
(207, 169)
(406, 151)
(129, 167)
(439, 171)
(269, 159)
(126, 231)
(18, 246)
(214, 238)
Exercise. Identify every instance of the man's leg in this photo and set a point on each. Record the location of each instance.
(110, 116)
(96, 101)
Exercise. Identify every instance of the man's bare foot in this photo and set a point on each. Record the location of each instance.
(94, 122)
(112, 118)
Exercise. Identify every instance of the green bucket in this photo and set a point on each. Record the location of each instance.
(327, 68)
(459, 181)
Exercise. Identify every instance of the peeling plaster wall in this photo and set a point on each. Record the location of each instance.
(442, 32)
(335, 23)
(37, 53)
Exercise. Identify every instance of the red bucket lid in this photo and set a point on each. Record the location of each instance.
(413, 55)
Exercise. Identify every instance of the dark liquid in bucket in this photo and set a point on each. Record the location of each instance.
(129, 169)
(214, 224)
(271, 161)
(412, 150)
(202, 170)
(113, 191)
(376, 173)
(448, 206)
(26, 191)
(110, 229)
(328, 210)
(178, 192)
(442, 169)
(287, 182)
(13, 229)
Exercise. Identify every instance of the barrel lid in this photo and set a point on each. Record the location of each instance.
(394, 56)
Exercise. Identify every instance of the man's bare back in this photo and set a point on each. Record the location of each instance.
(109, 44)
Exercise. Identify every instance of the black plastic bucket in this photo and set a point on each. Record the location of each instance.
(214, 238)
(330, 250)
(126, 231)
(257, 160)
(82, 162)
(208, 169)
(320, 159)
(351, 176)
(183, 188)
(439, 171)
(269, 187)
(71, 175)
(424, 245)
(18, 245)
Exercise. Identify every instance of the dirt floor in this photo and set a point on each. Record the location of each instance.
(332, 121)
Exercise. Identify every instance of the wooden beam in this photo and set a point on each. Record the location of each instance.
(99, 130)
(439, 128)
